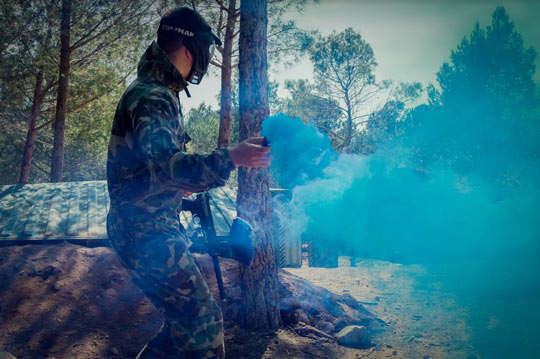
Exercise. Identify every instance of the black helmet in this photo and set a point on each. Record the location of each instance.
(197, 36)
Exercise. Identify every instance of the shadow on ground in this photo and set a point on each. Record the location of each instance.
(68, 301)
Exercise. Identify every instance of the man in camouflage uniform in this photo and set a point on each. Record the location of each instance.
(148, 173)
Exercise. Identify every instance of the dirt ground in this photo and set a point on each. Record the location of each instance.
(68, 301)
(421, 322)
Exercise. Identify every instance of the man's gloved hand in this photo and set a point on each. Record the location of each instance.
(240, 241)
(251, 153)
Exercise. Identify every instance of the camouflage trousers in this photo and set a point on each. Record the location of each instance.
(161, 265)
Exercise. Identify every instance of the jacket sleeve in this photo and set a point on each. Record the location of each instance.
(156, 131)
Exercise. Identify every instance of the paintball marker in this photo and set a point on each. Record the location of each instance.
(238, 245)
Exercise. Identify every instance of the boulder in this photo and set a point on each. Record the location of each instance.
(354, 336)
(350, 301)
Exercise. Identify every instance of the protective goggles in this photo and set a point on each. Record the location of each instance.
(201, 45)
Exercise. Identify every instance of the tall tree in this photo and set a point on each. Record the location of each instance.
(57, 161)
(286, 42)
(225, 115)
(31, 134)
(259, 282)
(26, 72)
(111, 28)
(106, 43)
(344, 64)
(483, 118)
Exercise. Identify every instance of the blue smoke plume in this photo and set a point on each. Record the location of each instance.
(381, 206)
(480, 207)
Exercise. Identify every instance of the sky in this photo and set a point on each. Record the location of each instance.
(411, 39)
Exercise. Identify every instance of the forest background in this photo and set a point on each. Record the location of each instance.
(60, 82)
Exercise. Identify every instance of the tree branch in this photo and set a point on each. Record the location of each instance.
(82, 41)
(79, 63)
(47, 173)
(97, 97)
(222, 6)
(329, 131)
(87, 159)
(44, 125)
(15, 146)
(217, 64)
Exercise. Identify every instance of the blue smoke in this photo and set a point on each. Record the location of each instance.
(480, 206)
(301, 153)
(381, 206)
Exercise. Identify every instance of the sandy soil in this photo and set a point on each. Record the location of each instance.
(422, 322)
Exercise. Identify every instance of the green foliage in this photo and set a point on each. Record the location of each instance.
(106, 41)
(487, 100)
(286, 42)
(86, 149)
(202, 125)
(386, 123)
(10, 158)
(493, 64)
(306, 103)
(24, 49)
(344, 64)
(343, 58)
(346, 89)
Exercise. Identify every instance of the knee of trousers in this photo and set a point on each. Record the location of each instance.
(167, 273)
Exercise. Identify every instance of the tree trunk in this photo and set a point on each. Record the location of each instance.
(348, 128)
(259, 282)
(225, 116)
(57, 162)
(31, 134)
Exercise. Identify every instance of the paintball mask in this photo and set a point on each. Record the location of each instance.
(201, 43)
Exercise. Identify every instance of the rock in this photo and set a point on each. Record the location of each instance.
(326, 327)
(349, 300)
(307, 330)
(340, 324)
(354, 336)
(6, 355)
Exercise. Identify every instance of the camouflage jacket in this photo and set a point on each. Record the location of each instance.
(148, 169)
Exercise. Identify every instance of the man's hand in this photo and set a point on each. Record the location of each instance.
(251, 153)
